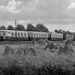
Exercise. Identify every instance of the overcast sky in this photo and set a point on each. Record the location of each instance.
(54, 14)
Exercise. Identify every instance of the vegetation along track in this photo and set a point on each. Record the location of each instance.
(14, 42)
(22, 42)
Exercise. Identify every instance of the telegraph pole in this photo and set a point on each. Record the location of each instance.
(15, 23)
(15, 28)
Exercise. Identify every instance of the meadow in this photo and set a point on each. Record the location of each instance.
(41, 57)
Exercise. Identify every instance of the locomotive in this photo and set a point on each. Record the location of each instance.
(14, 35)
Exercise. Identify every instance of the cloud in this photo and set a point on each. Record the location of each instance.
(30, 6)
(11, 7)
(72, 5)
(45, 11)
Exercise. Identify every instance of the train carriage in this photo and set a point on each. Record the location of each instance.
(11, 35)
(56, 36)
(14, 35)
(37, 35)
(69, 36)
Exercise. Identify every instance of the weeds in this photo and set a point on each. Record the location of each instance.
(27, 65)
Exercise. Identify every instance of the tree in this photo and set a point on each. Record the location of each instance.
(20, 27)
(30, 27)
(42, 28)
(68, 32)
(10, 27)
(59, 31)
(2, 27)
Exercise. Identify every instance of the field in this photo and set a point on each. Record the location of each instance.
(37, 58)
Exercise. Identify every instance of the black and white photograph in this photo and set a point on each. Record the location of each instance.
(37, 37)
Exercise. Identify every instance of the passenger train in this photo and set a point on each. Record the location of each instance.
(15, 35)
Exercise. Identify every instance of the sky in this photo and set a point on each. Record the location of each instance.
(54, 14)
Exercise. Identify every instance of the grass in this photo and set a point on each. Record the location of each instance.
(34, 60)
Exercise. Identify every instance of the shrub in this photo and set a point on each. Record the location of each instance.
(16, 70)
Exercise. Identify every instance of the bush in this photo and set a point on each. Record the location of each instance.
(29, 69)
(16, 70)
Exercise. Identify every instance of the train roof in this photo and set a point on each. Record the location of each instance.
(64, 33)
(22, 31)
(12, 31)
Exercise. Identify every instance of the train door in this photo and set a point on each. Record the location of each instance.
(73, 37)
(64, 36)
(30, 36)
(49, 36)
(2, 36)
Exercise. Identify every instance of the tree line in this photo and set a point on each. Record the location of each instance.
(62, 31)
(39, 27)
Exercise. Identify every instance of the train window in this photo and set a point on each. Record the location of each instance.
(31, 34)
(12, 34)
(37, 35)
(4, 33)
(45, 35)
(34, 35)
(18, 34)
(40, 35)
(21, 34)
(8, 32)
(24, 34)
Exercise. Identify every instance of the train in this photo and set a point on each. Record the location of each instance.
(15, 35)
